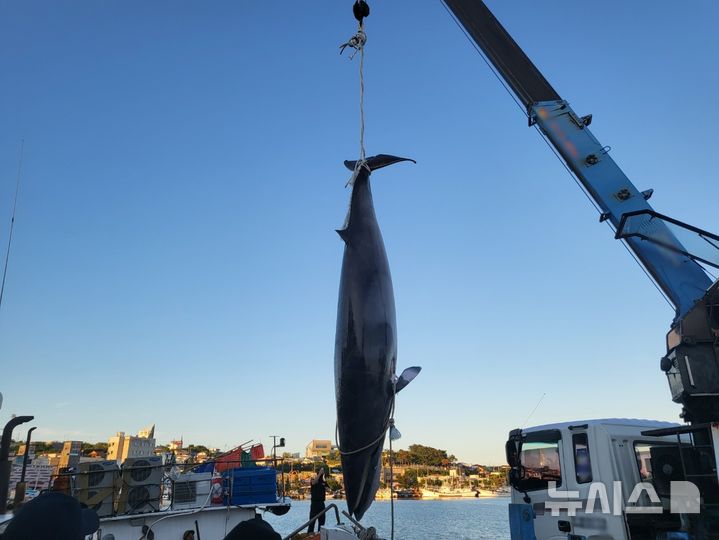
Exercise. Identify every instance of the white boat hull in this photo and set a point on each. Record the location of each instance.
(214, 522)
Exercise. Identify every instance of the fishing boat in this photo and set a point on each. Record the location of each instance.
(384, 494)
(429, 494)
(151, 497)
(209, 499)
(408, 494)
(209, 522)
(206, 519)
(456, 493)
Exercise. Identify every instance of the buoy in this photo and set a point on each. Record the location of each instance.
(217, 490)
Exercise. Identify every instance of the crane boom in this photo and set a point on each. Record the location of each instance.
(670, 251)
(681, 279)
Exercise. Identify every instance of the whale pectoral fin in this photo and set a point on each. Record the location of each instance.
(407, 377)
(378, 161)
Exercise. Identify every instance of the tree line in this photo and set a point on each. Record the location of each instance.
(418, 454)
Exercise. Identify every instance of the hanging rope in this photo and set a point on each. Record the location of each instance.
(357, 42)
(361, 97)
(391, 480)
(380, 437)
(388, 428)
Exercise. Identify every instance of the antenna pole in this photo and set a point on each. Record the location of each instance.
(12, 220)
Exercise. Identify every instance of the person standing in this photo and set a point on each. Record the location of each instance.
(318, 488)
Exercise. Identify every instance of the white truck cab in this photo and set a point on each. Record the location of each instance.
(605, 479)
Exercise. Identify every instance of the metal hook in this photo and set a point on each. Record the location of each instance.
(356, 42)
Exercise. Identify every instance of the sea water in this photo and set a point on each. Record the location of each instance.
(456, 519)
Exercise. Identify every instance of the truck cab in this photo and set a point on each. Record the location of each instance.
(607, 479)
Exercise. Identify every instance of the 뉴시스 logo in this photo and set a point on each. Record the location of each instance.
(683, 499)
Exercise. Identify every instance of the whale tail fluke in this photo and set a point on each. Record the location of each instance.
(378, 161)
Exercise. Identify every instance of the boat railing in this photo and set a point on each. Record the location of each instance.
(314, 518)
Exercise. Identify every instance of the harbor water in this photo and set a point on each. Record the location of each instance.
(457, 519)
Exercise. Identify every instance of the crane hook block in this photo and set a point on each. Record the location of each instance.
(360, 10)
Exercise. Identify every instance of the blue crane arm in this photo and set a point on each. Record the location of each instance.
(681, 279)
(679, 276)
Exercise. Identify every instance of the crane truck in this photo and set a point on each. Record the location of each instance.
(618, 478)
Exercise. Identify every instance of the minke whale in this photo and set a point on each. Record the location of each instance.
(365, 343)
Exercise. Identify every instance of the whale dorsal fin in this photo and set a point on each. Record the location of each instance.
(407, 377)
(378, 161)
(344, 235)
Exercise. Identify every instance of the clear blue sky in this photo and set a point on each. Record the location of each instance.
(175, 259)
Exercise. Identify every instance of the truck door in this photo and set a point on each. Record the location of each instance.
(585, 479)
(539, 464)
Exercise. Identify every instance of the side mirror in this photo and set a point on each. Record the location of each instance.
(512, 449)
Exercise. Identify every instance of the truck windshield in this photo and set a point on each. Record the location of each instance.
(540, 461)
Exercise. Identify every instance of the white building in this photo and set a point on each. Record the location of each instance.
(176, 445)
(318, 448)
(121, 446)
(37, 475)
